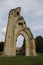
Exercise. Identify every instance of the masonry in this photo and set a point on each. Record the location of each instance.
(17, 26)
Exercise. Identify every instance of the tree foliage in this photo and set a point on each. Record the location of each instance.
(1, 46)
(39, 44)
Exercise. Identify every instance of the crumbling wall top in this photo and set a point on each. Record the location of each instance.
(16, 11)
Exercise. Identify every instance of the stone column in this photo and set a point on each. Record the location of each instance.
(14, 45)
(27, 49)
(33, 48)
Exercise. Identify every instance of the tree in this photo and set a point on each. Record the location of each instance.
(1, 46)
(39, 44)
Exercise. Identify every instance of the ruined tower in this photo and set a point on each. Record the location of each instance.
(16, 26)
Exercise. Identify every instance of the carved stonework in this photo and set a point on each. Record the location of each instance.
(16, 26)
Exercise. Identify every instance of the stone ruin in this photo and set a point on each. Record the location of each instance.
(17, 26)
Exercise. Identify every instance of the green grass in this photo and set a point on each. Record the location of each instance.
(21, 60)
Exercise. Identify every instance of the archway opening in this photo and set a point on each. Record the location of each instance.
(20, 45)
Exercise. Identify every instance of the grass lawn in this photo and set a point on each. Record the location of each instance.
(21, 60)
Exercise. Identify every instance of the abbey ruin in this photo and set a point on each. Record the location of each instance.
(17, 26)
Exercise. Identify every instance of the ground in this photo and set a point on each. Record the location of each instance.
(21, 60)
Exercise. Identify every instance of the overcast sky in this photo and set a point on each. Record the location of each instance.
(31, 10)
